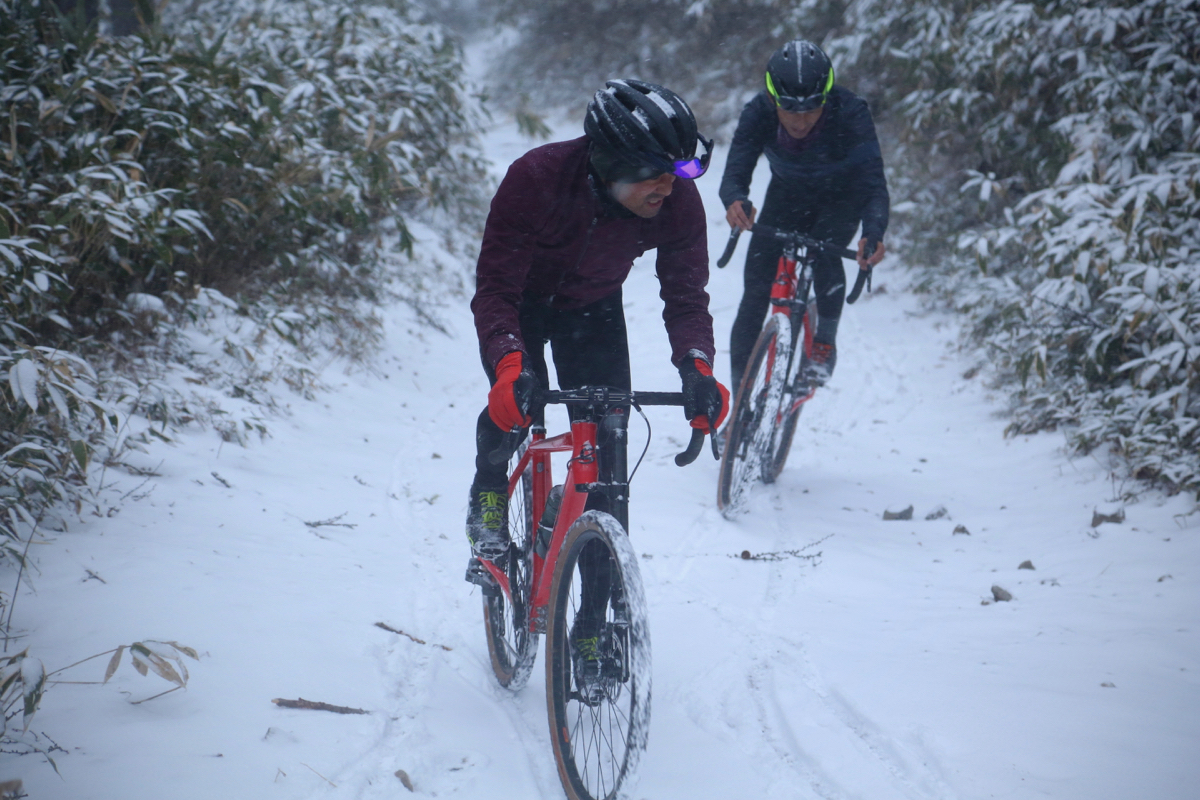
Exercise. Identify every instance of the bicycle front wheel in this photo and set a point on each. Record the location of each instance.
(599, 720)
(511, 644)
(749, 453)
(785, 432)
(788, 416)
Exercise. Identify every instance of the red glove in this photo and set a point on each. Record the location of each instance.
(510, 394)
(703, 396)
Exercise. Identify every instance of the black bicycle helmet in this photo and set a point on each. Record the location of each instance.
(799, 76)
(641, 130)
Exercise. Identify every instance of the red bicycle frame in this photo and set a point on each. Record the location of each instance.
(582, 470)
(784, 301)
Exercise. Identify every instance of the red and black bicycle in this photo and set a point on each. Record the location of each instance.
(773, 390)
(567, 564)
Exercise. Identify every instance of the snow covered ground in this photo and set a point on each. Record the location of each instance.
(849, 657)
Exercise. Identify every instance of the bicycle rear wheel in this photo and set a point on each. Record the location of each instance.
(598, 730)
(512, 646)
(749, 455)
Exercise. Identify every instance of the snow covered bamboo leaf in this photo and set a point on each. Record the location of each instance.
(23, 512)
(187, 651)
(153, 661)
(23, 380)
(170, 652)
(20, 447)
(163, 669)
(60, 402)
(33, 680)
(80, 451)
(10, 672)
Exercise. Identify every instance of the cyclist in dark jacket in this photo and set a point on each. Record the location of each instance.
(564, 229)
(826, 178)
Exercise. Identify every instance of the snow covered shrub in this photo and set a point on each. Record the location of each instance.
(191, 216)
(53, 419)
(22, 683)
(268, 151)
(1049, 175)
(347, 113)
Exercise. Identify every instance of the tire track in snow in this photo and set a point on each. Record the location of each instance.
(808, 724)
(839, 751)
(446, 724)
(807, 732)
(780, 713)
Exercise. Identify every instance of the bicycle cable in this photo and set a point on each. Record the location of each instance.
(645, 449)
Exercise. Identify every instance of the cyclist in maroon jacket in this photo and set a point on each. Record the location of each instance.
(564, 229)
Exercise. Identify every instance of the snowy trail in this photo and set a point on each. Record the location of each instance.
(862, 665)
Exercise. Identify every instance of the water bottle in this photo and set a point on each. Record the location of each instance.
(549, 516)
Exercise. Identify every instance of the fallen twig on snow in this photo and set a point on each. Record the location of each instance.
(390, 629)
(778, 555)
(332, 522)
(315, 706)
(319, 775)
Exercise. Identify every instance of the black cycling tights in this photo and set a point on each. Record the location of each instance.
(590, 347)
(830, 222)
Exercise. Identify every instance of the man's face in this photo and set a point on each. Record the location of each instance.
(799, 124)
(644, 198)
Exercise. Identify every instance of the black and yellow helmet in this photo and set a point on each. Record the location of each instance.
(799, 76)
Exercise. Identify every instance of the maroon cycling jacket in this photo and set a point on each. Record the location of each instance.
(551, 238)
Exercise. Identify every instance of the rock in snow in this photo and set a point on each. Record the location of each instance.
(1100, 517)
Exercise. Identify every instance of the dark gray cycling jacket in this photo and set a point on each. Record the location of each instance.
(838, 162)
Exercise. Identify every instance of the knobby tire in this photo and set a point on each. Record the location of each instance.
(750, 450)
(780, 443)
(598, 744)
(513, 648)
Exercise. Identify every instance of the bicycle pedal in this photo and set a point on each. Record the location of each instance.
(479, 576)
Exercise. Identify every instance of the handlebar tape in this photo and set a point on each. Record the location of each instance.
(693, 448)
(863, 279)
(731, 245)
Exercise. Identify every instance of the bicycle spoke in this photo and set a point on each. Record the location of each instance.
(603, 710)
(749, 446)
(513, 648)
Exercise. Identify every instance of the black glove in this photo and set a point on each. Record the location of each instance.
(704, 398)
